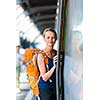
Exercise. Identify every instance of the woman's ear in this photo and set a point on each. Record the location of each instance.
(44, 38)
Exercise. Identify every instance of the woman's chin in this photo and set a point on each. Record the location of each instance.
(50, 45)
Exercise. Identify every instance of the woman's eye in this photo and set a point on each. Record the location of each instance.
(53, 37)
(48, 37)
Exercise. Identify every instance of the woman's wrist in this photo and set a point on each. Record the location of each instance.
(54, 66)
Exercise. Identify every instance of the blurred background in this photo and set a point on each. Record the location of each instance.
(32, 16)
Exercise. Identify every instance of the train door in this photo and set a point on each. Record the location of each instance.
(70, 53)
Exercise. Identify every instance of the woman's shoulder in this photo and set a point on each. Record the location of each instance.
(42, 55)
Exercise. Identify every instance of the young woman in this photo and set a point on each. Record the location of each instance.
(47, 82)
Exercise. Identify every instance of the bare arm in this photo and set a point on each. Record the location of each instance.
(45, 75)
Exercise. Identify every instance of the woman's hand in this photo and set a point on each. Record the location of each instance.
(55, 59)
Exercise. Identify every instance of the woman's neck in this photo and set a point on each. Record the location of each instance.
(49, 52)
(48, 49)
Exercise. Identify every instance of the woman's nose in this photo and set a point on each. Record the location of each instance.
(51, 39)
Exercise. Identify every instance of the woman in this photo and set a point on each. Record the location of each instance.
(47, 82)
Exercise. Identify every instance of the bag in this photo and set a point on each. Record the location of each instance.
(30, 58)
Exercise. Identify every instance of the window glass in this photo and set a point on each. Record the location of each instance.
(73, 63)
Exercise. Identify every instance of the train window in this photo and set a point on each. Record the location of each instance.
(73, 59)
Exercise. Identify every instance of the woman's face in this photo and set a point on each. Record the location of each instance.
(50, 38)
(76, 40)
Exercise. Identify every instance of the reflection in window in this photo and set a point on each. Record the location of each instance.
(73, 62)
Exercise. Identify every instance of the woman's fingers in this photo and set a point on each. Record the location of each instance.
(55, 59)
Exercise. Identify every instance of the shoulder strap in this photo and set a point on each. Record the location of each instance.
(46, 62)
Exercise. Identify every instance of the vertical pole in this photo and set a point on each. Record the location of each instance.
(59, 70)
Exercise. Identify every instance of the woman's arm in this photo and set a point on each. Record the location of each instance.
(45, 75)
